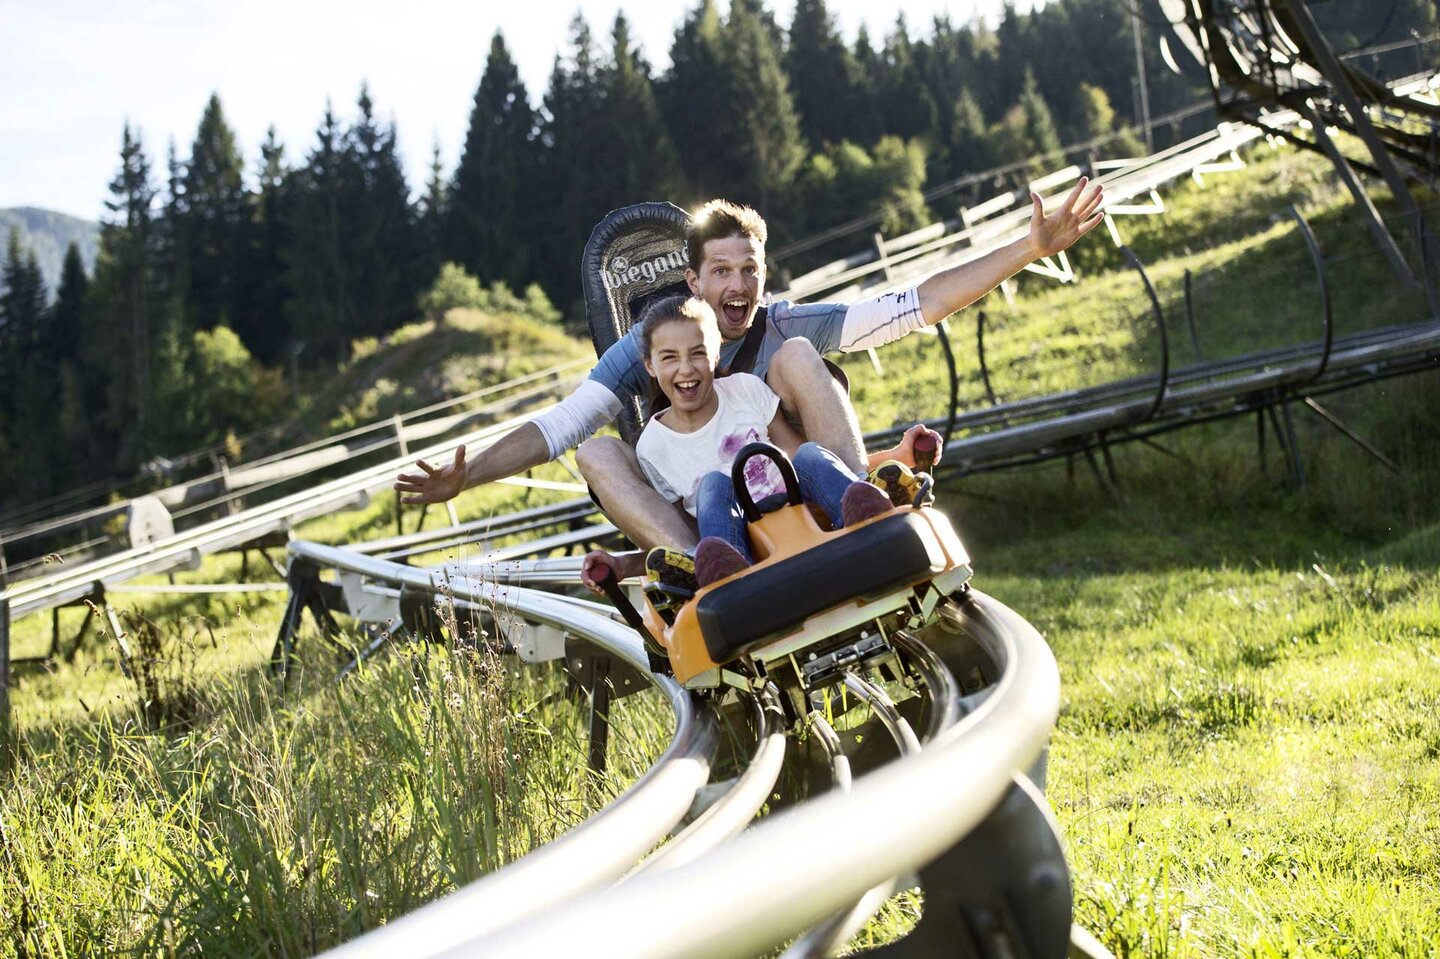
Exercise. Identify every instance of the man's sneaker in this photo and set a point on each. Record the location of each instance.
(862, 501)
(716, 559)
(669, 577)
(905, 488)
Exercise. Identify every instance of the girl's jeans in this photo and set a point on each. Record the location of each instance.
(823, 481)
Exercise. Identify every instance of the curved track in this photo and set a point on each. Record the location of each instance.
(787, 873)
(609, 842)
(790, 871)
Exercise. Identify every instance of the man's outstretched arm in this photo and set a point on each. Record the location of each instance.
(519, 450)
(958, 287)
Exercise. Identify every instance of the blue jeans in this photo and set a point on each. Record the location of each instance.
(823, 481)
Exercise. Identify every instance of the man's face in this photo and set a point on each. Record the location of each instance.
(731, 277)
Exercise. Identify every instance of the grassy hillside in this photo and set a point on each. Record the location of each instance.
(422, 364)
(1247, 761)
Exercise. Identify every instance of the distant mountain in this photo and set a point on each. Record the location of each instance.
(49, 233)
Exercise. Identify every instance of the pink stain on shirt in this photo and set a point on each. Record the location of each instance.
(761, 476)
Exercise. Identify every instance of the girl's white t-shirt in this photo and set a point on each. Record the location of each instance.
(675, 462)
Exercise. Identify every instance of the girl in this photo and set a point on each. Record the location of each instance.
(687, 449)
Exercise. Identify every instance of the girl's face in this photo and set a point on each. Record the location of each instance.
(682, 360)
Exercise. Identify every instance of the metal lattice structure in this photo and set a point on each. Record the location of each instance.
(1264, 56)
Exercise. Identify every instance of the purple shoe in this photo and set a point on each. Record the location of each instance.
(715, 560)
(863, 501)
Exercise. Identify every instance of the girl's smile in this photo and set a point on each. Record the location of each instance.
(682, 360)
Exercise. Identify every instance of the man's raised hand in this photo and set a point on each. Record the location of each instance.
(433, 485)
(1077, 216)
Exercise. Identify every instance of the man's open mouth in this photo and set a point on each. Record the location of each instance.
(736, 311)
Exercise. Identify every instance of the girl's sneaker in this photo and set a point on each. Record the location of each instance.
(716, 559)
(904, 487)
(862, 501)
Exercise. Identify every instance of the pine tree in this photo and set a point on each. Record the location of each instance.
(172, 252)
(1008, 66)
(1097, 122)
(904, 100)
(694, 96)
(319, 303)
(430, 218)
(639, 161)
(1040, 134)
(120, 329)
(1060, 68)
(763, 145)
(64, 330)
(260, 317)
(23, 301)
(845, 180)
(950, 70)
(825, 78)
(27, 400)
(379, 241)
(488, 223)
(867, 123)
(213, 221)
(968, 146)
(22, 308)
(572, 129)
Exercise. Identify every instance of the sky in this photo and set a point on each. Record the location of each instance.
(72, 72)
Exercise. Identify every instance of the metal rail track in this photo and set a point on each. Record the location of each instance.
(609, 843)
(247, 477)
(792, 870)
(1001, 737)
(185, 550)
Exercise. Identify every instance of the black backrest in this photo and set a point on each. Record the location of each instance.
(634, 255)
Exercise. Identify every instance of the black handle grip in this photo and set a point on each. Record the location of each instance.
(787, 474)
(926, 446)
(605, 578)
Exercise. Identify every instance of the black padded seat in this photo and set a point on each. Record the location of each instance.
(866, 563)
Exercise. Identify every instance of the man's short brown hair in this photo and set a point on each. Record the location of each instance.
(720, 220)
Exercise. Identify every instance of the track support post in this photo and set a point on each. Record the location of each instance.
(600, 715)
(1002, 891)
(306, 592)
(1314, 406)
(5, 750)
(603, 680)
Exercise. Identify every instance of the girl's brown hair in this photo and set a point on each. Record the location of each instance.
(671, 309)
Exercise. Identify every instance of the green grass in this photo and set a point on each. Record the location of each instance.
(1248, 755)
(282, 823)
(1247, 761)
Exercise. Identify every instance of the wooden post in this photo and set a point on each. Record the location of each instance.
(5, 750)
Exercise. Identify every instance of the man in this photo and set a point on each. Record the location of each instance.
(726, 250)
